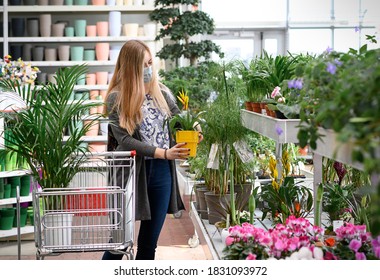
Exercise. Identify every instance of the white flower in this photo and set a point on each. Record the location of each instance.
(306, 253)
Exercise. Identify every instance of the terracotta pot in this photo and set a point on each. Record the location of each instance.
(248, 105)
(256, 107)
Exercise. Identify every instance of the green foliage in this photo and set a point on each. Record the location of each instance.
(266, 72)
(180, 27)
(187, 120)
(340, 92)
(37, 131)
(290, 199)
(335, 199)
(223, 124)
(196, 80)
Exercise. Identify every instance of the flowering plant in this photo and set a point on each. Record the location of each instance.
(18, 70)
(17, 75)
(247, 242)
(352, 242)
(184, 99)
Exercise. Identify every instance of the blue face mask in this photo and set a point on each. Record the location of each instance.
(148, 74)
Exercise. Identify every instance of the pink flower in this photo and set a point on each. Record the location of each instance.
(376, 252)
(229, 240)
(330, 256)
(279, 245)
(355, 245)
(275, 92)
(360, 256)
(251, 257)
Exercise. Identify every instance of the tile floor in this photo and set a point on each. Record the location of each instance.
(172, 245)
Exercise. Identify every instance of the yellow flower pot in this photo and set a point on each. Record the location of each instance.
(190, 137)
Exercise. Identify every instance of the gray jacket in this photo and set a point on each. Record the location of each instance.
(120, 140)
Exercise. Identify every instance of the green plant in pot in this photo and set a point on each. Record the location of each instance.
(180, 26)
(38, 130)
(186, 126)
(223, 132)
(284, 197)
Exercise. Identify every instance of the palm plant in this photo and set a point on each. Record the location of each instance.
(38, 130)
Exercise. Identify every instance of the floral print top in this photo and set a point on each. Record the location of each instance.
(152, 129)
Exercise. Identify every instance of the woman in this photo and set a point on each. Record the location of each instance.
(137, 106)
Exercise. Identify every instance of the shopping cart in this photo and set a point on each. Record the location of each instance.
(96, 212)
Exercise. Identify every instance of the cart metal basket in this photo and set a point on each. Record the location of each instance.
(96, 212)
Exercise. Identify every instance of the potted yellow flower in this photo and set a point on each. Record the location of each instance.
(186, 125)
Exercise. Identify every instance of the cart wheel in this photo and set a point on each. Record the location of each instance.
(193, 241)
(178, 215)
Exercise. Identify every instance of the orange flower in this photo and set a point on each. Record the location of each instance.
(330, 241)
(297, 207)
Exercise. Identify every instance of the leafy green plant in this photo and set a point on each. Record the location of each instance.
(223, 126)
(290, 199)
(180, 26)
(334, 199)
(187, 120)
(195, 79)
(38, 130)
(340, 93)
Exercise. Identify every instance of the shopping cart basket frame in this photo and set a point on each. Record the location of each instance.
(96, 212)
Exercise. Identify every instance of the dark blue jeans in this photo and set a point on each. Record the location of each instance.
(159, 190)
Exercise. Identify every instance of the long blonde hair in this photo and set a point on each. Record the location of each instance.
(128, 80)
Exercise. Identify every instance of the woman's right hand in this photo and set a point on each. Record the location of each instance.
(178, 152)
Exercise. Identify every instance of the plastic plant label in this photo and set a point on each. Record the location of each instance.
(245, 153)
(213, 160)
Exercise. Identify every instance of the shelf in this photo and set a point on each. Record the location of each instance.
(73, 63)
(14, 173)
(268, 126)
(90, 139)
(78, 8)
(330, 147)
(90, 87)
(7, 201)
(76, 39)
(13, 231)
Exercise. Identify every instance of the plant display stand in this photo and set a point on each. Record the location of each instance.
(331, 148)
